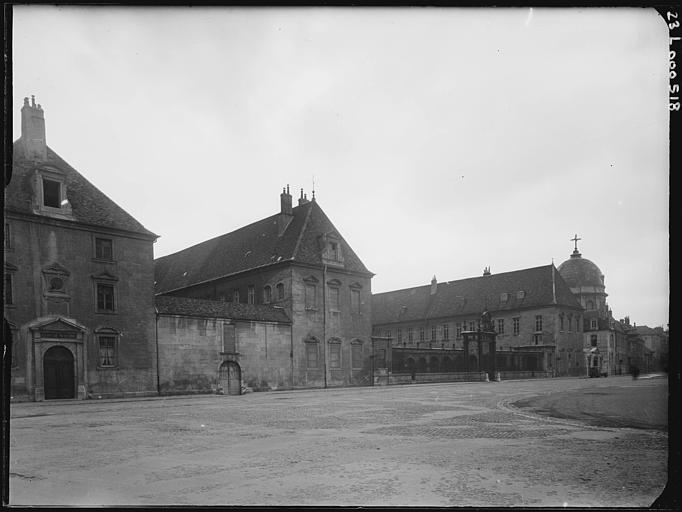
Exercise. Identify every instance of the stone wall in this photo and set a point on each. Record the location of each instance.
(192, 350)
(42, 250)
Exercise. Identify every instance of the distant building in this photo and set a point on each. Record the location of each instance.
(537, 319)
(297, 262)
(78, 280)
(656, 341)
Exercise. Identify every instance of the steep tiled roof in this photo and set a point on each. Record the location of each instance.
(254, 246)
(473, 296)
(89, 205)
(170, 305)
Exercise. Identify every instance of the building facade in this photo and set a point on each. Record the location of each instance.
(604, 339)
(221, 347)
(537, 320)
(78, 280)
(298, 262)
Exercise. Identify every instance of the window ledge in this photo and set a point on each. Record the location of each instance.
(102, 260)
(99, 312)
(105, 368)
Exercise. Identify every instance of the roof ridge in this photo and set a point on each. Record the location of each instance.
(465, 279)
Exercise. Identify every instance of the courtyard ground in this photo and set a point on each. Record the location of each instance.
(454, 444)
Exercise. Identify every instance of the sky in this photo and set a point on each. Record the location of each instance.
(439, 140)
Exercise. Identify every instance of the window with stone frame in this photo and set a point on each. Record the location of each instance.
(356, 354)
(516, 325)
(537, 339)
(388, 334)
(569, 322)
(310, 296)
(251, 294)
(472, 325)
(9, 289)
(538, 322)
(593, 323)
(312, 354)
(267, 295)
(107, 351)
(355, 305)
(229, 338)
(399, 335)
(433, 333)
(106, 297)
(8, 236)
(459, 329)
(280, 291)
(410, 334)
(593, 340)
(107, 340)
(500, 326)
(104, 249)
(235, 296)
(446, 332)
(335, 354)
(334, 302)
(421, 334)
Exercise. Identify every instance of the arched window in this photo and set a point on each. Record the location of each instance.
(280, 291)
(267, 295)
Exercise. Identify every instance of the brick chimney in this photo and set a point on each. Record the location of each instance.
(486, 271)
(286, 213)
(33, 131)
(303, 199)
(434, 285)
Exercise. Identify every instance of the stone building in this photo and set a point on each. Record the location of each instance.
(537, 320)
(604, 340)
(656, 341)
(78, 280)
(210, 346)
(298, 262)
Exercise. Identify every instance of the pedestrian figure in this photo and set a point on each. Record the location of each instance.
(635, 372)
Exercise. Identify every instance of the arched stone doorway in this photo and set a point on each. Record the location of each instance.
(58, 372)
(230, 378)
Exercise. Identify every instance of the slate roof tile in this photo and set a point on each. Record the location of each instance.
(89, 204)
(473, 295)
(250, 247)
(171, 305)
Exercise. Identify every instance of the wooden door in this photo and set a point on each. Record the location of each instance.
(58, 373)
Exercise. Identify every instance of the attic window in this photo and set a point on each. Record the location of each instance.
(504, 297)
(52, 193)
(520, 294)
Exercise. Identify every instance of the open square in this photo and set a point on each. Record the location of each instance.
(455, 444)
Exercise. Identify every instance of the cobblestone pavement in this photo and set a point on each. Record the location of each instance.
(455, 444)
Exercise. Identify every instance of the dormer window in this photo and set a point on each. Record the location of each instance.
(331, 250)
(52, 193)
